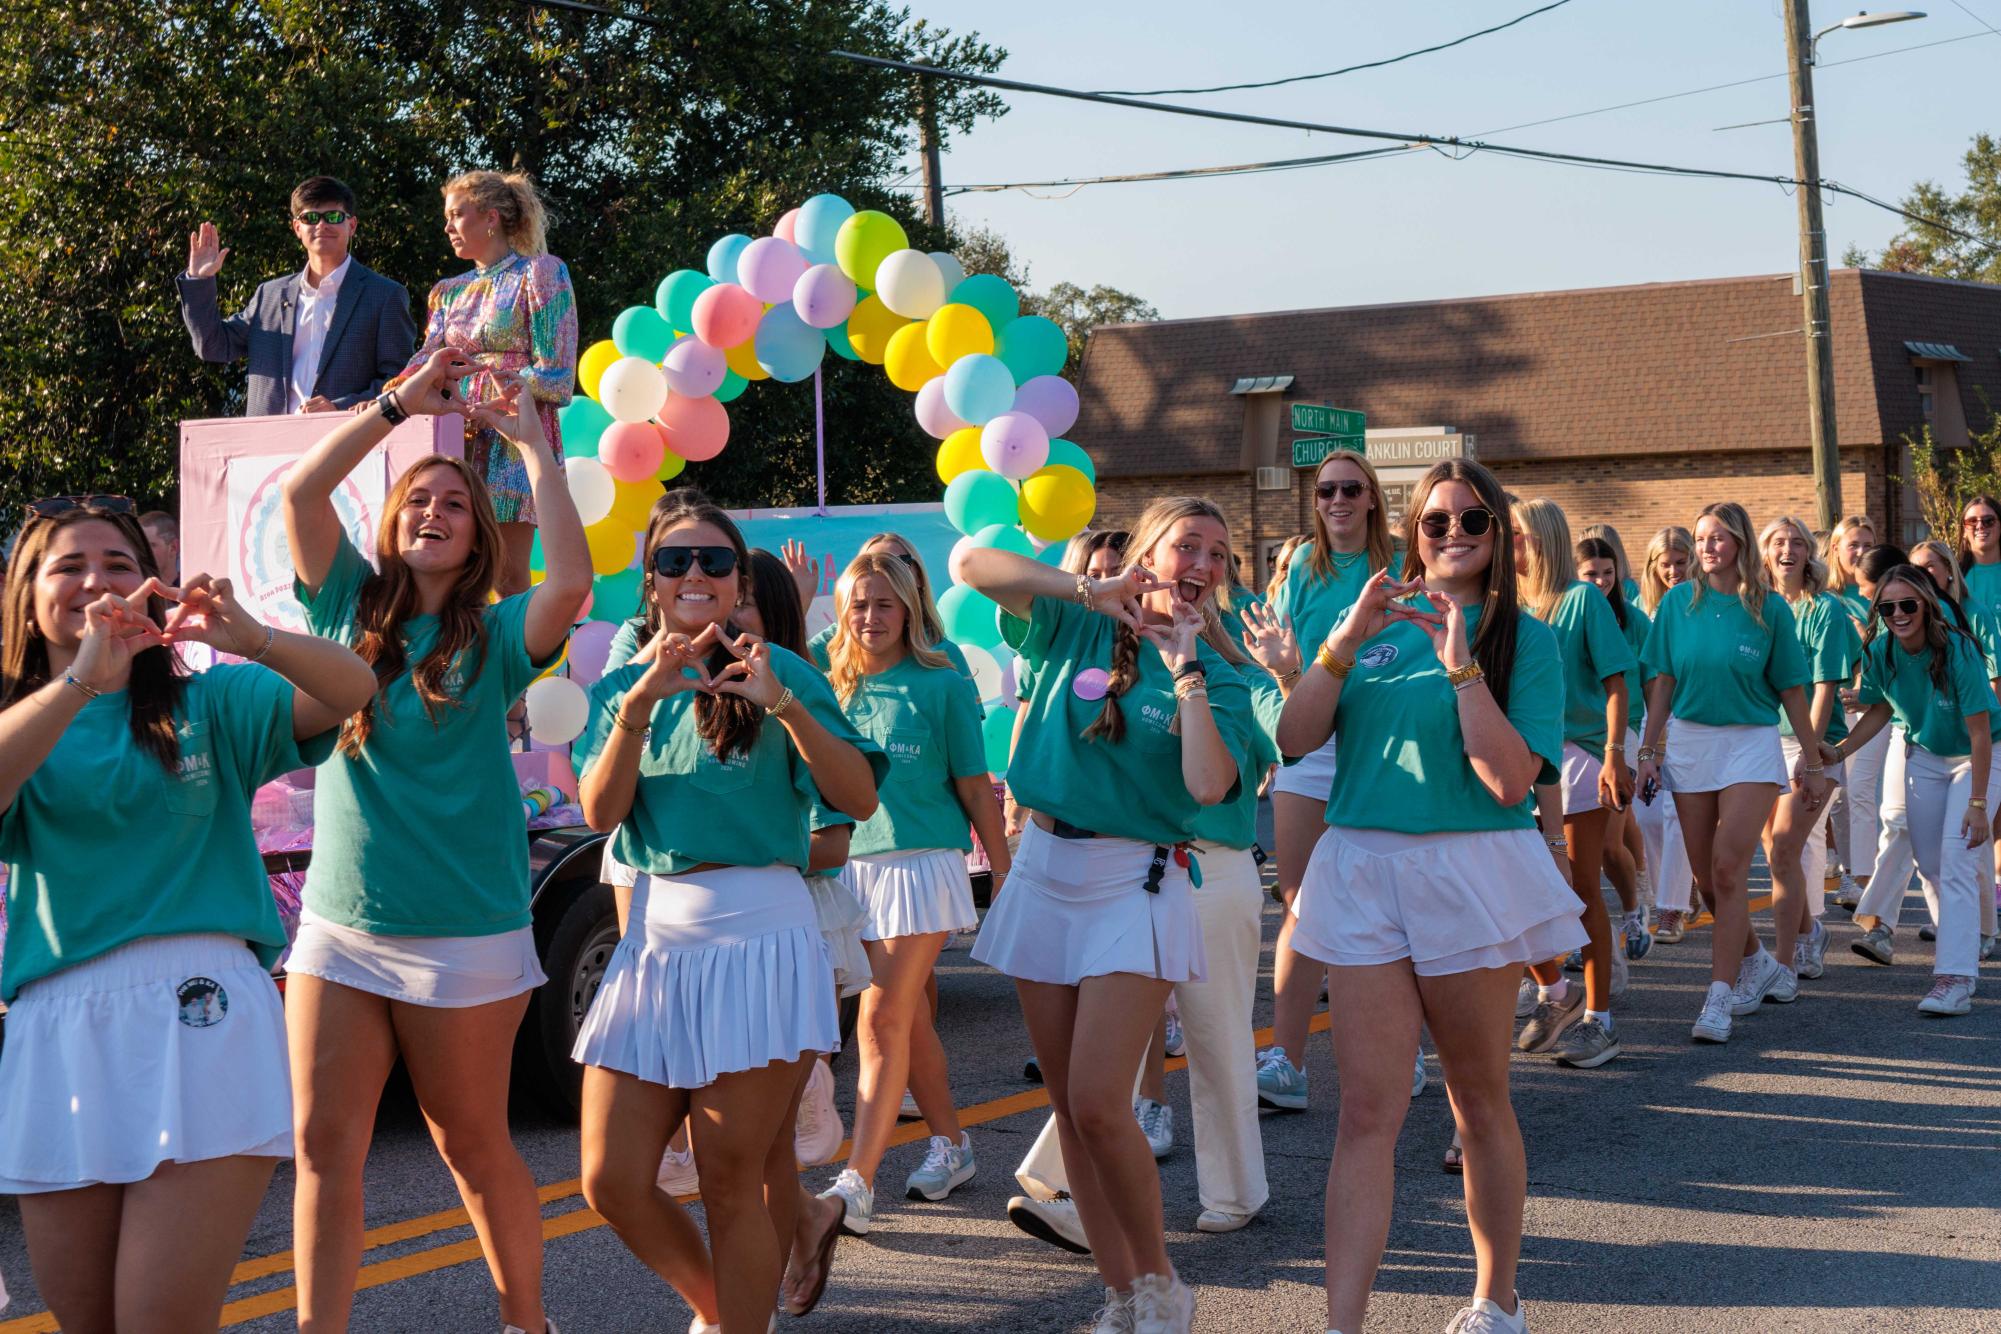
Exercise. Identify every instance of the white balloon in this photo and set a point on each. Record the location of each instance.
(592, 488)
(910, 284)
(948, 265)
(557, 708)
(986, 670)
(958, 553)
(633, 389)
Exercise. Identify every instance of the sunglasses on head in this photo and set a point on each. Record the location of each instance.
(1901, 607)
(54, 505)
(1473, 522)
(1979, 521)
(313, 217)
(1349, 490)
(673, 562)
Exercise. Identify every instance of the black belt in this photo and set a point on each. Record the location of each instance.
(1156, 868)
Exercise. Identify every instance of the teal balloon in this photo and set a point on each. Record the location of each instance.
(976, 498)
(536, 561)
(997, 731)
(615, 597)
(1071, 454)
(581, 421)
(837, 339)
(723, 256)
(787, 347)
(1053, 554)
(818, 223)
(642, 331)
(675, 297)
(1032, 345)
(991, 296)
(731, 388)
(1006, 537)
(969, 618)
(979, 388)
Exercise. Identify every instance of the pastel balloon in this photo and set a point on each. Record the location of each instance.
(957, 331)
(788, 347)
(724, 254)
(732, 388)
(910, 284)
(986, 671)
(786, 228)
(592, 489)
(768, 267)
(990, 295)
(1014, 445)
(840, 344)
(933, 416)
(977, 499)
(634, 504)
(907, 360)
(1049, 399)
(672, 465)
(1056, 503)
(581, 422)
(864, 242)
(633, 389)
(1072, 455)
(725, 315)
(1091, 683)
(697, 428)
(1031, 346)
(978, 389)
(1006, 537)
(968, 616)
(615, 597)
(949, 268)
(591, 366)
(613, 546)
(641, 331)
(819, 225)
(694, 368)
(742, 360)
(824, 296)
(870, 327)
(557, 708)
(590, 645)
(960, 453)
(675, 298)
(631, 452)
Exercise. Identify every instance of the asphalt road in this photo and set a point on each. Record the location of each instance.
(1836, 1167)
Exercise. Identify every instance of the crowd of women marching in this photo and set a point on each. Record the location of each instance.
(1466, 728)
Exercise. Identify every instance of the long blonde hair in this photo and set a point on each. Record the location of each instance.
(1751, 582)
(1379, 546)
(1281, 564)
(1552, 564)
(846, 659)
(1956, 587)
(1815, 580)
(1652, 589)
(932, 624)
(1609, 535)
(513, 196)
(1840, 574)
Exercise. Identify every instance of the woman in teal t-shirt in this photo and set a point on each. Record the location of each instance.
(145, 1032)
(1134, 727)
(807, 574)
(1932, 678)
(1430, 887)
(713, 762)
(1600, 558)
(1980, 551)
(415, 939)
(1725, 660)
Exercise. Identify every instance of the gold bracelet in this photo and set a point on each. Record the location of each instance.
(1083, 593)
(1335, 667)
(785, 699)
(618, 721)
(1461, 677)
(1192, 692)
(1981, 802)
(270, 635)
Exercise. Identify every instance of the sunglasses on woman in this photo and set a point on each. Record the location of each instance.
(1346, 490)
(1980, 521)
(1901, 607)
(1473, 522)
(673, 562)
(313, 217)
(54, 505)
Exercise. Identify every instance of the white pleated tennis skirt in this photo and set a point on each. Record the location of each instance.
(842, 922)
(169, 1049)
(1311, 776)
(1450, 903)
(718, 971)
(443, 972)
(916, 893)
(1702, 758)
(1078, 908)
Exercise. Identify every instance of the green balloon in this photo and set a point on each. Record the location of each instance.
(535, 557)
(731, 388)
(1032, 345)
(1071, 454)
(991, 296)
(581, 421)
(641, 331)
(976, 498)
(675, 298)
(837, 339)
(615, 597)
(969, 616)
(997, 730)
(1053, 554)
(1005, 536)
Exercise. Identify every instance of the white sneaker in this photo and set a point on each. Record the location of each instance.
(1156, 1121)
(1054, 1221)
(1177, 1041)
(1115, 1316)
(1785, 986)
(858, 1199)
(1526, 997)
(1162, 1304)
(1221, 1220)
(1485, 1317)
(1810, 955)
(1622, 972)
(818, 1133)
(548, 1327)
(1713, 1024)
(677, 1173)
(1847, 894)
(1417, 1077)
(1756, 977)
(908, 1110)
(1949, 996)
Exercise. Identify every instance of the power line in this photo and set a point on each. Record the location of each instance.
(1334, 73)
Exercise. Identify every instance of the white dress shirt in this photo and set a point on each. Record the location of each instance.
(309, 333)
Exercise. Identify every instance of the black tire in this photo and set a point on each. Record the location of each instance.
(579, 951)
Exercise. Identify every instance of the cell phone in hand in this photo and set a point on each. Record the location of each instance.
(1650, 790)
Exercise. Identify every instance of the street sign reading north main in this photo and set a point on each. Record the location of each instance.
(1318, 419)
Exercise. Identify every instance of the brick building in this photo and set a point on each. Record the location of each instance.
(1636, 405)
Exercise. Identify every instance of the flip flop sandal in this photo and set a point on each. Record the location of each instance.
(1455, 1160)
(825, 1255)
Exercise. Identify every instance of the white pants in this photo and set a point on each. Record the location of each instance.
(1884, 895)
(1667, 855)
(1865, 793)
(1936, 789)
(1222, 1055)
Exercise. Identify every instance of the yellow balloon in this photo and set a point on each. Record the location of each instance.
(870, 327)
(562, 656)
(1057, 502)
(960, 453)
(908, 360)
(632, 502)
(743, 360)
(612, 545)
(591, 367)
(958, 331)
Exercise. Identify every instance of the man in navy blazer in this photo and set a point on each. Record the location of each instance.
(320, 340)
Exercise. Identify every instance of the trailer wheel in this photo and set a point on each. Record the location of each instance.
(578, 954)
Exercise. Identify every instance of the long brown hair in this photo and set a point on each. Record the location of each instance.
(1320, 546)
(1153, 524)
(158, 679)
(1596, 547)
(1939, 628)
(729, 723)
(1494, 641)
(1966, 561)
(846, 661)
(1606, 533)
(388, 599)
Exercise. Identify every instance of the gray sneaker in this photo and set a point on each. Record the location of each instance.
(1622, 972)
(1546, 1025)
(1586, 1045)
(1874, 944)
(946, 1166)
(1115, 1316)
(854, 1193)
(1987, 947)
(1713, 1024)
(1757, 977)
(1156, 1122)
(1281, 1084)
(1525, 998)
(1810, 955)
(1848, 894)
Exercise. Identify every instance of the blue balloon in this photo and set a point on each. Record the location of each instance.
(819, 221)
(978, 388)
(723, 256)
(787, 347)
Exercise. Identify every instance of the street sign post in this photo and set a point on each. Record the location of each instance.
(1310, 451)
(1319, 419)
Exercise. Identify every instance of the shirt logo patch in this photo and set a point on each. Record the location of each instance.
(1377, 655)
(1750, 652)
(203, 1002)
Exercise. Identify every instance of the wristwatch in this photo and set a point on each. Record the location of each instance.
(392, 411)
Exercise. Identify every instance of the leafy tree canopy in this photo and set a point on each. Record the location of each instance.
(982, 250)
(1975, 211)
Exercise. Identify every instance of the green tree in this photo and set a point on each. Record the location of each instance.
(1946, 479)
(1975, 212)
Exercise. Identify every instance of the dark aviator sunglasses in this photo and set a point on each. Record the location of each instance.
(1473, 521)
(54, 505)
(673, 562)
(1350, 490)
(1901, 607)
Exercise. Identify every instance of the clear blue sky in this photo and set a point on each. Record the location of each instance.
(1416, 225)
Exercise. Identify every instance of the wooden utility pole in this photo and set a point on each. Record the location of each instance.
(927, 140)
(1813, 271)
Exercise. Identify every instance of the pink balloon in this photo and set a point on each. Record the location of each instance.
(590, 645)
(697, 428)
(1049, 399)
(590, 600)
(726, 314)
(694, 368)
(784, 230)
(932, 414)
(1091, 683)
(1013, 444)
(632, 451)
(768, 267)
(824, 296)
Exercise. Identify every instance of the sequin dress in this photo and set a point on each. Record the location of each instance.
(516, 315)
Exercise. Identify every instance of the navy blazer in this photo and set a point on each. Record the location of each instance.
(370, 339)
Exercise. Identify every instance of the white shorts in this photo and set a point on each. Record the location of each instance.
(1450, 903)
(614, 872)
(1078, 908)
(1312, 776)
(1580, 779)
(1789, 752)
(841, 922)
(444, 972)
(719, 971)
(1701, 758)
(169, 1049)
(917, 893)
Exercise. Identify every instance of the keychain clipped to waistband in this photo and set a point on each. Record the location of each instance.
(1192, 864)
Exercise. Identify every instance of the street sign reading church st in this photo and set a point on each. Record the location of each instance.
(1310, 451)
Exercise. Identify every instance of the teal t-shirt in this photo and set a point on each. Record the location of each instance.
(1857, 603)
(1636, 627)
(1631, 588)
(1232, 616)
(1986, 632)
(1132, 788)
(1315, 603)
(625, 643)
(928, 723)
(103, 846)
(1403, 757)
(1593, 647)
(1234, 823)
(1728, 669)
(755, 808)
(1983, 586)
(1833, 651)
(1933, 719)
(816, 648)
(423, 835)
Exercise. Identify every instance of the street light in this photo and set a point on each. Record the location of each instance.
(1800, 43)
